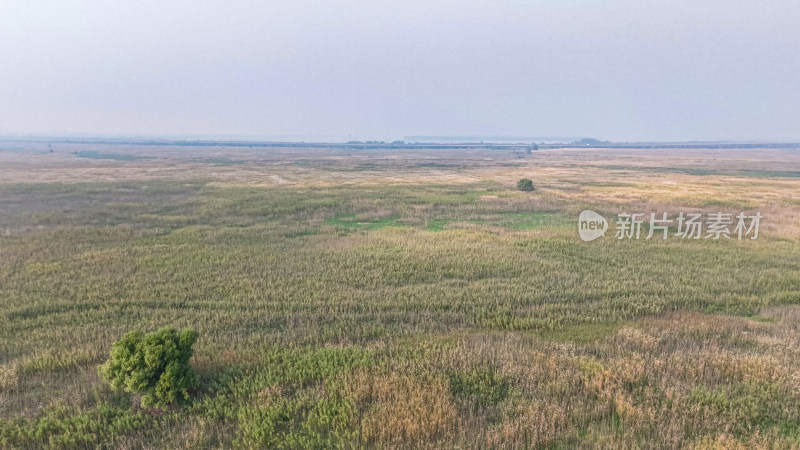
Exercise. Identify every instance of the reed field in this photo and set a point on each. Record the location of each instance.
(399, 298)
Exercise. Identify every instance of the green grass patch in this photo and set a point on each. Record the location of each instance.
(521, 221)
(352, 222)
(483, 386)
(91, 154)
(580, 333)
(221, 161)
(436, 225)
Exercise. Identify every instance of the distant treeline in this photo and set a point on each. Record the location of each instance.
(584, 143)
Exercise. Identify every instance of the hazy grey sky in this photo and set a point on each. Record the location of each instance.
(612, 69)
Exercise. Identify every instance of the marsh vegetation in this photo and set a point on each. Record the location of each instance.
(418, 302)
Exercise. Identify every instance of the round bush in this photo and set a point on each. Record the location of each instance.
(154, 365)
(525, 185)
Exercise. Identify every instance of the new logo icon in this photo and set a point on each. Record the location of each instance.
(591, 225)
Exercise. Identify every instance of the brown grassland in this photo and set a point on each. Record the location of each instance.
(399, 298)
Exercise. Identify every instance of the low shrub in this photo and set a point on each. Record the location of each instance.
(154, 365)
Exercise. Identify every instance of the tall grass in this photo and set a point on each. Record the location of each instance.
(421, 315)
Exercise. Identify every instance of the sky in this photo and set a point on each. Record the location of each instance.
(623, 70)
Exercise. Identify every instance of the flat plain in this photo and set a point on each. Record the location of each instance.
(399, 298)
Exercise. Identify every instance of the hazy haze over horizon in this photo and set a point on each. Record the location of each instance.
(617, 69)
